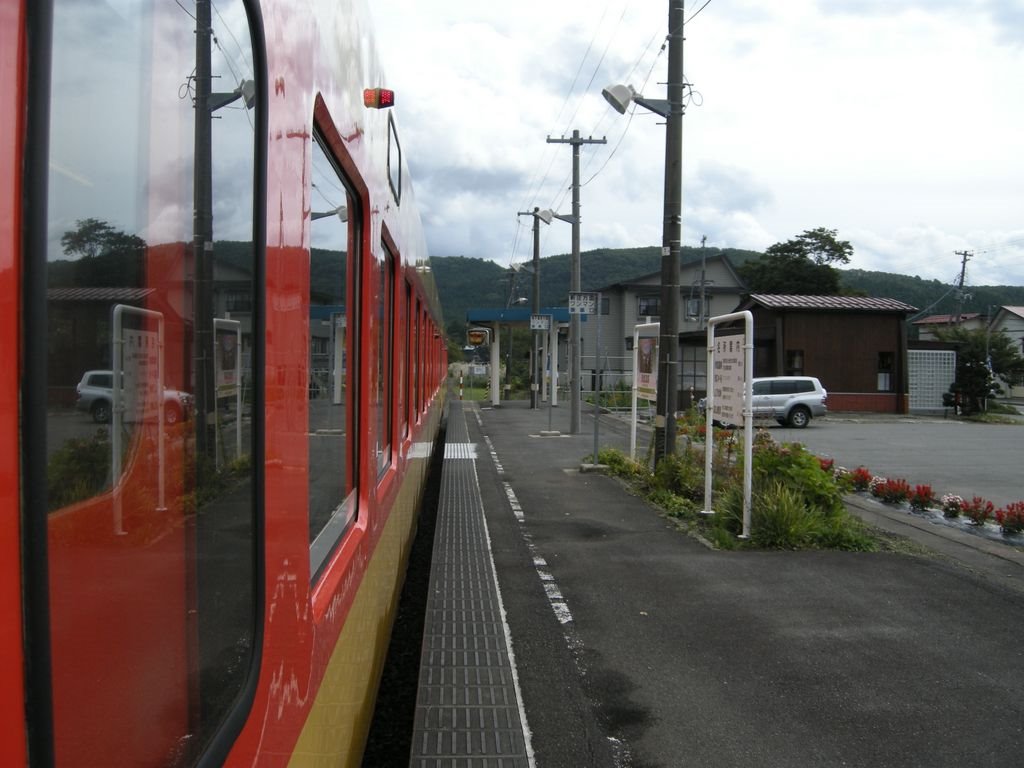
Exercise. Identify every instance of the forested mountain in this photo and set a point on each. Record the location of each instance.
(465, 283)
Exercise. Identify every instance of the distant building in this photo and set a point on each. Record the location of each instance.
(1010, 320)
(627, 303)
(926, 326)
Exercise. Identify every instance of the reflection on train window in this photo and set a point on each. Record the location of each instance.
(334, 256)
(150, 387)
(406, 366)
(382, 406)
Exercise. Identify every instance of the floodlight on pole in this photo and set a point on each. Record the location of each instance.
(341, 212)
(620, 96)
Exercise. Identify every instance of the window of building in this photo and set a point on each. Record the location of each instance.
(794, 362)
(886, 370)
(151, 510)
(648, 306)
(335, 238)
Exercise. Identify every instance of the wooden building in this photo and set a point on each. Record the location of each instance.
(856, 346)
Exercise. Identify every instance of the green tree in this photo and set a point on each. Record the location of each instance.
(802, 265)
(104, 256)
(975, 381)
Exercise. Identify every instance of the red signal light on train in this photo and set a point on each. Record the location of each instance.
(378, 98)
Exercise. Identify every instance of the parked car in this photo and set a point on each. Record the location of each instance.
(791, 400)
(95, 396)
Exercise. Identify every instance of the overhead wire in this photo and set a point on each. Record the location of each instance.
(551, 152)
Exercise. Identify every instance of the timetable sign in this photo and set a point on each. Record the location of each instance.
(540, 322)
(581, 303)
(729, 378)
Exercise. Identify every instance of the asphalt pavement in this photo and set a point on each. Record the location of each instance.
(638, 646)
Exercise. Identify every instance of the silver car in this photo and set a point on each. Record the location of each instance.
(95, 397)
(791, 400)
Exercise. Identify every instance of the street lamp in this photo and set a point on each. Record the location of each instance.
(547, 216)
(619, 96)
(537, 372)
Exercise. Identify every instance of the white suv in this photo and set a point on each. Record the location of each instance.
(791, 400)
(95, 396)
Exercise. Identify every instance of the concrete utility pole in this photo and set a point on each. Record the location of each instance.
(960, 286)
(574, 324)
(537, 369)
(668, 346)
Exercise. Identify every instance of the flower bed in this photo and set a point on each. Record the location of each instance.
(976, 515)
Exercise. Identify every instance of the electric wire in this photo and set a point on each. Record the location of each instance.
(186, 10)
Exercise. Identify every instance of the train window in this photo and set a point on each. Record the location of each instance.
(394, 160)
(383, 390)
(335, 228)
(149, 339)
(406, 355)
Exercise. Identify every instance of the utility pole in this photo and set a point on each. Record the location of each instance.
(203, 235)
(668, 345)
(960, 286)
(703, 281)
(574, 286)
(536, 370)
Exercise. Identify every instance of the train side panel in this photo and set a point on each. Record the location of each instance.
(12, 99)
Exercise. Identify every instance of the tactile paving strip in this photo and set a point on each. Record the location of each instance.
(467, 709)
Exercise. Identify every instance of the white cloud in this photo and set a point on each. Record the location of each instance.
(894, 122)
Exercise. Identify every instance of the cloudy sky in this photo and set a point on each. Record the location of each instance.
(899, 123)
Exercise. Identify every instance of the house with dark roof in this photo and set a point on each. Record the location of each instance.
(856, 346)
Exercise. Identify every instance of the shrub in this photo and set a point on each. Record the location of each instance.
(1011, 518)
(978, 510)
(781, 519)
(921, 498)
(78, 470)
(681, 474)
(797, 469)
(891, 490)
(860, 479)
(952, 505)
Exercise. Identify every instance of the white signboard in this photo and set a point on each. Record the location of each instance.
(540, 322)
(582, 303)
(139, 374)
(728, 379)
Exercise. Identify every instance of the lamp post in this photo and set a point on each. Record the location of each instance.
(671, 109)
(537, 370)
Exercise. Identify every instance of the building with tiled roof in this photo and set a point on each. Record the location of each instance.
(856, 346)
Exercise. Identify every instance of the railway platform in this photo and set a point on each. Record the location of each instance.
(571, 624)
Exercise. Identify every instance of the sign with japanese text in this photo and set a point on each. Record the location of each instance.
(728, 379)
(581, 303)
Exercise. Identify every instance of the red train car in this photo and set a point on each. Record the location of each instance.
(204, 205)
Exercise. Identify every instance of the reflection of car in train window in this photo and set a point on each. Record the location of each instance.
(96, 395)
